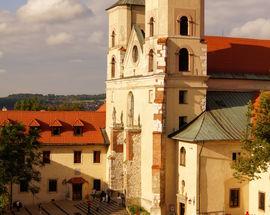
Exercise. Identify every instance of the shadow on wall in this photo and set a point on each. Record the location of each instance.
(239, 59)
(74, 182)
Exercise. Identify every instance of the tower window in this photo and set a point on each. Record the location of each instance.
(183, 60)
(182, 97)
(184, 26)
(182, 121)
(182, 156)
(113, 68)
(96, 157)
(113, 39)
(151, 27)
(135, 54)
(151, 61)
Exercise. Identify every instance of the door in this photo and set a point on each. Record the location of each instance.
(182, 209)
(77, 192)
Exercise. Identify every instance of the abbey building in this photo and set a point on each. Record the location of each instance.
(164, 73)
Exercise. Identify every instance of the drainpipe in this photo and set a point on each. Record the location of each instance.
(199, 203)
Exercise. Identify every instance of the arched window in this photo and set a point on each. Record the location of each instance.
(182, 156)
(113, 39)
(151, 27)
(183, 60)
(151, 61)
(113, 68)
(130, 109)
(184, 26)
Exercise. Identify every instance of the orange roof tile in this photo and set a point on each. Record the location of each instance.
(78, 123)
(34, 123)
(56, 123)
(238, 55)
(102, 108)
(94, 122)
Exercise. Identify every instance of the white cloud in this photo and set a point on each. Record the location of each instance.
(52, 10)
(259, 28)
(96, 38)
(59, 39)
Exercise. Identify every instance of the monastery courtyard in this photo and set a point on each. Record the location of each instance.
(74, 208)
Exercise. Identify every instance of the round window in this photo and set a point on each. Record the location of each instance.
(135, 54)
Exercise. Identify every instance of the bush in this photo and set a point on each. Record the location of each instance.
(134, 209)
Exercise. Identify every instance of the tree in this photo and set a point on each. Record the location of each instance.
(19, 157)
(256, 145)
(31, 104)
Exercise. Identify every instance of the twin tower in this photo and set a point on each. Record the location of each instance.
(156, 83)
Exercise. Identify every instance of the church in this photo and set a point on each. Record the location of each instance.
(176, 109)
(175, 114)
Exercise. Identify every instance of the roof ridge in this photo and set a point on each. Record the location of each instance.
(203, 113)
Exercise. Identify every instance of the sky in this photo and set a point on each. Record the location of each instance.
(59, 46)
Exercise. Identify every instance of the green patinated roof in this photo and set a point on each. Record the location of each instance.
(224, 119)
(139, 34)
(127, 2)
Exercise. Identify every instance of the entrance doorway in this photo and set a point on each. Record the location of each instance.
(182, 209)
(77, 192)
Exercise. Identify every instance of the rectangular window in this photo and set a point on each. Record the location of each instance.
(77, 157)
(96, 156)
(235, 155)
(261, 201)
(182, 97)
(56, 131)
(46, 157)
(52, 185)
(78, 131)
(234, 198)
(23, 186)
(150, 96)
(182, 121)
(97, 184)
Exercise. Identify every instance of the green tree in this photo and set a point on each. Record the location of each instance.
(19, 157)
(256, 145)
(31, 104)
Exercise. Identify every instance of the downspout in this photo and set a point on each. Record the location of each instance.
(199, 187)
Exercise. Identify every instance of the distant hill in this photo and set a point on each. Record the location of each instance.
(86, 102)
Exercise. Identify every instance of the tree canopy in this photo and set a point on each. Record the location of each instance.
(255, 158)
(19, 157)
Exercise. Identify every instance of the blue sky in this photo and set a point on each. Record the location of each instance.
(59, 46)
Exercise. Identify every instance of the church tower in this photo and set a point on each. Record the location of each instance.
(156, 82)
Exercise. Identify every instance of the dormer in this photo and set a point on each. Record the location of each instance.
(78, 128)
(56, 128)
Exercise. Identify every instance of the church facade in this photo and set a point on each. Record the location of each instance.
(161, 68)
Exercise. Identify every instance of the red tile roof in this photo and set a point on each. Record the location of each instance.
(238, 55)
(102, 108)
(93, 123)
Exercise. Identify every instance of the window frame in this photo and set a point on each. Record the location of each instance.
(231, 204)
(183, 156)
(113, 67)
(151, 27)
(75, 131)
(49, 185)
(260, 194)
(151, 61)
(97, 157)
(25, 185)
(184, 54)
(46, 159)
(58, 133)
(77, 155)
(182, 99)
(183, 121)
